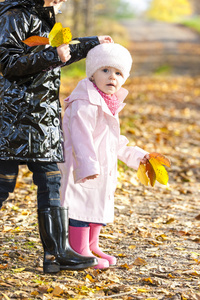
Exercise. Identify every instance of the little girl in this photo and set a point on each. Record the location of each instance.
(93, 145)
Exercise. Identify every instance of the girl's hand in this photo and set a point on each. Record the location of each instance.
(92, 176)
(105, 39)
(145, 159)
(64, 52)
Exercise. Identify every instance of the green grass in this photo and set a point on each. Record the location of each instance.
(76, 69)
(163, 70)
(193, 23)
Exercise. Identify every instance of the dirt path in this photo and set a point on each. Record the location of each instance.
(163, 48)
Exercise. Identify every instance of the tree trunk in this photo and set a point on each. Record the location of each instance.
(88, 16)
(196, 7)
(76, 16)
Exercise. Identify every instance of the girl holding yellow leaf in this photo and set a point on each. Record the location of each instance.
(30, 115)
(92, 145)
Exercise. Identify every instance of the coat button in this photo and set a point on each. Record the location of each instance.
(49, 55)
(56, 122)
(57, 82)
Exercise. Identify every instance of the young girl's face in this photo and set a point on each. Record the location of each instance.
(108, 79)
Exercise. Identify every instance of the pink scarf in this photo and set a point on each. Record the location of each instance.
(111, 100)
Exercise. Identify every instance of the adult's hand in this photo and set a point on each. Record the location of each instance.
(64, 52)
(105, 39)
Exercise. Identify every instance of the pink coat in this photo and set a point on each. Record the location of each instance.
(92, 146)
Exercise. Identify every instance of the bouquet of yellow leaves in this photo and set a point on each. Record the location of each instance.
(57, 36)
(154, 170)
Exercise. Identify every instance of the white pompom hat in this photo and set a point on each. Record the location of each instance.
(109, 55)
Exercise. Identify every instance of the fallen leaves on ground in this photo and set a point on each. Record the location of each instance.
(155, 236)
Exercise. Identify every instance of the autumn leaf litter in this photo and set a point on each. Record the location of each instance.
(155, 236)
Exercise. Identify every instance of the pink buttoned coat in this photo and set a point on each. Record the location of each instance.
(92, 145)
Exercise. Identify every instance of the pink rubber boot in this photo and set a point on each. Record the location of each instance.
(94, 244)
(79, 241)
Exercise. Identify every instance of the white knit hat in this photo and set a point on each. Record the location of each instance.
(109, 55)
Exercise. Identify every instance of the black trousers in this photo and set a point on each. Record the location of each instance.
(46, 176)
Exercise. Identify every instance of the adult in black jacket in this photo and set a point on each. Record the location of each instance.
(30, 131)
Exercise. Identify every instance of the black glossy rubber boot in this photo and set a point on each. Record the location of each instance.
(58, 255)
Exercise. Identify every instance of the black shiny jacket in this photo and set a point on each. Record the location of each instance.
(29, 83)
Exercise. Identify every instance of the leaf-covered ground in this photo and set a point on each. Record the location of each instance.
(156, 233)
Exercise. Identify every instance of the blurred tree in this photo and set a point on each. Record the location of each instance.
(115, 9)
(76, 15)
(79, 16)
(88, 16)
(82, 16)
(196, 7)
(170, 10)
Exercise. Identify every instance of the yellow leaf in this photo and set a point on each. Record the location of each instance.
(122, 255)
(161, 173)
(74, 42)
(148, 280)
(6, 297)
(3, 267)
(17, 229)
(162, 237)
(161, 158)
(195, 253)
(141, 174)
(56, 35)
(139, 262)
(131, 247)
(90, 278)
(18, 270)
(59, 35)
(6, 254)
(25, 213)
(195, 273)
(142, 291)
(34, 293)
(57, 291)
(15, 208)
(67, 36)
(170, 221)
(179, 248)
(125, 266)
